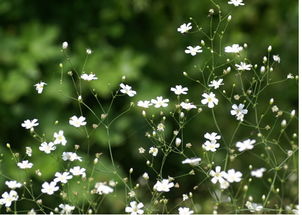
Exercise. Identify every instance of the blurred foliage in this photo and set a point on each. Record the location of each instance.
(132, 38)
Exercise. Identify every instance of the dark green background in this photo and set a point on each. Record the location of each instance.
(135, 38)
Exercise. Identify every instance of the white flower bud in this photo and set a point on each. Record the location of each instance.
(269, 49)
(271, 101)
(292, 113)
(65, 45)
(262, 69)
(146, 176)
(177, 141)
(264, 59)
(283, 123)
(88, 51)
(229, 18)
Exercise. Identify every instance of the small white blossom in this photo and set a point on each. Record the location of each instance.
(253, 207)
(184, 28)
(146, 176)
(28, 151)
(185, 211)
(193, 50)
(144, 104)
(25, 164)
(8, 198)
(66, 209)
(217, 175)
(135, 208)
(236, 2)
(235, 48)
(13, 184)
(153, 151)
(211, 146)
(245, 145)
(191, 161)
(212, 136)
(233, 176)
(77, 121)
(49, 188)
(59, 138)
(178, 90)
(160, 102)
(102, 188)
(65, 45)
(30, 124)
(163, 186)
(62, 177)
(88, 77)
(71, 156)
(88, 51)
(275, 108)
(216, 83)
(47, 147)
(290, 76)
(276, 58)
(40, 86)
(209, 99)
(239, 111)
(258, 173)
(77, 170)
(126, 89)
(187, 106)
(243, 66)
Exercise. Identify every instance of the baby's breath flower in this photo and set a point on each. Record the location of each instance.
(243, 66)
(187, 106)
(258, 173)
(193, 50)
(153, 151)
(144, 104)
(28, 151)
(163, 185)
(88, 77)
(160, 102)
(245, 145)
(77, 121)
(13, 184)
(102, 188)
(30, 124)
(126, 89)
(191, 161)
(209, 99)
(184, 28)
(135, 208)
(216, 83)
(47, 147)
(276, 58)
(178, 90)
(49, 188)
(40, 86)
(25, 164)
(235, 48)
(185, 211)
(66, 209)
(8, 198)
(236, 2)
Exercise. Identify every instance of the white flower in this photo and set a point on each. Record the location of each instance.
(13, 184)
(217, 175)
(178, 90)
(49, 188)
(235, 48)
(275, 108)
(209, 99)
(8, 198)
(62, 177)
(258, 173)
(77, 121)
(191, 161)
(276, 58)
(102, 188)
(144, 104)
(59, 138)
(290, 76)
(224, 184)
(40, 86)
(212, 136)
(160, 102)
(71, 156)
(243, 66)
(30, 124)
(193, 50)
(245, 145)
(253, 207)
(184, 28)
(25, 165)
(185, 211)
(88, 51)
(126, 89)
(66, 209)
(239, 111)
(135, 208)
(47, 147)
(216, 83)
(153, 151)
(64, 45)
(210, 146)
(77, 170)
(28, 151)
(187, 106)
(236, 2)
(88, 77)
(233, 176)
(163, 186)
(145, 176)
